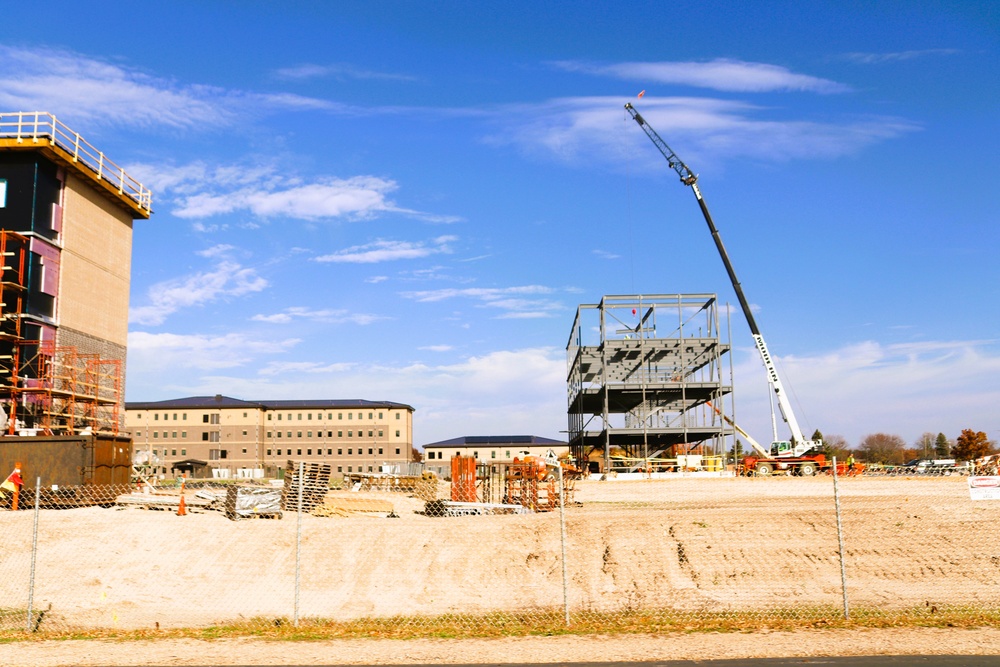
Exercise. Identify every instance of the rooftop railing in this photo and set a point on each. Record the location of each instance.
(36, 125)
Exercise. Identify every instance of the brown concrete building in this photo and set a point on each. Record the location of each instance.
(208, 436)
(66, 214)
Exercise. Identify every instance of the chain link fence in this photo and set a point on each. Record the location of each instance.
(636, 551)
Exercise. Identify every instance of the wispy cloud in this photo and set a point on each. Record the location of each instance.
(897, 56)
(726, 75)
(596, 129)
(226, 279)
(338, 71)
(511, 300)
(604, 254)
(906, 388)
(155, 352)
(105, 94)
(335, 316)
(374, 280)
(200, 191)
(310, 367)
(436, 348)
(387, 251)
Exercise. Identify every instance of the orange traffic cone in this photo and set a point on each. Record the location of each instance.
(181, 508)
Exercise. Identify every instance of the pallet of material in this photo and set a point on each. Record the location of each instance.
(253, 502)
(315, 483)
(150, 501)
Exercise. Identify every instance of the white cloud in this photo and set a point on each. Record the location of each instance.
(374, 280)
(334, 316)
(720, 74)
(151, 354)
(508, 299)
(905, 388)
(897, 56)
(198, 190)
(436, 348)
(597, 129)
(227, 279)
(100, 93)
(604, 254)
(339, 71)
(387, 251)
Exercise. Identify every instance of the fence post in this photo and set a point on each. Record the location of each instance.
(562, 536)
(840, 541)
(298, 543)
(34, 553)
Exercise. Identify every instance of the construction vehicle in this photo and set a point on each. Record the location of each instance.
(798, 455)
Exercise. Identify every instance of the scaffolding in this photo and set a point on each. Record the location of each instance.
(55, 390)
(641, 370)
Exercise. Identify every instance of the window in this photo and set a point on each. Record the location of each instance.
(493, 454)
(204, 419)
(156, 418)
(173, 452)
(380, 451)
(330, 416)
(298, 452)
(298, 434)
(380, 433)
(340, 415)
(340, 468)
(3, 192)
(184, 452)
(309, 452)
(370, 416)
(475, 455)
(184, 434)
(350, 451)
(397, 415)
(156, 434)
(300, 416)
(350, 433)
(269, 418)
(244, 450)
(329, 452)
(349, 468)
(369, 434)
(329, 434)
(279, 434)
(174, 434)
(244, 433)
(340, 434)
(369, 451)
(397, 452)
(380, 415)
(184, 416)
(204, 436)
(360, 416)
(369, 468)
(175, 416)
(309, 417)
(309, 434)
(508, 453)
(244, 415)
(279, 417)
(289, 434)
(214, 419)
(397, 432)
(340, 452)
(269, 452)
(350, 415)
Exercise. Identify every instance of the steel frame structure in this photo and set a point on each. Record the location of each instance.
(640, 369)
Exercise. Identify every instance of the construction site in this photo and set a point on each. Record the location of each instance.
(65, 242)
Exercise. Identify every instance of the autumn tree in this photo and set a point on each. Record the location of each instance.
(836, 445)
(416, 455)
(882, 448)
(941, 446)
(971, 445)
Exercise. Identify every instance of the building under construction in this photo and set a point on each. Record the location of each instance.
(644, 373)
(66, 214)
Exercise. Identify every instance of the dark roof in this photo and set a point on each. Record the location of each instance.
(220, 401)
(468, 440)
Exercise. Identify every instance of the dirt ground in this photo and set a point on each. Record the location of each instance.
(707, 646)
(750, 548)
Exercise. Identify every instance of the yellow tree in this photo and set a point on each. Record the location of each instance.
(971, 445)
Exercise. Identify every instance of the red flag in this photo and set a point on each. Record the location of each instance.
(641, 94)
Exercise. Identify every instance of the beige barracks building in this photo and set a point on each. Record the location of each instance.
(219, 436)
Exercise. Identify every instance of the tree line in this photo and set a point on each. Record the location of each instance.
(893, 450)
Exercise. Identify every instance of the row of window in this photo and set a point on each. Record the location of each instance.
(223, 453)
(440, 455)
(213, 418)
(214, 436)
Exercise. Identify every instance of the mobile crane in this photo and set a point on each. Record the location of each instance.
(798, 455)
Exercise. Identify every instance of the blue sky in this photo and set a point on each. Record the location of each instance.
(407, 201)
